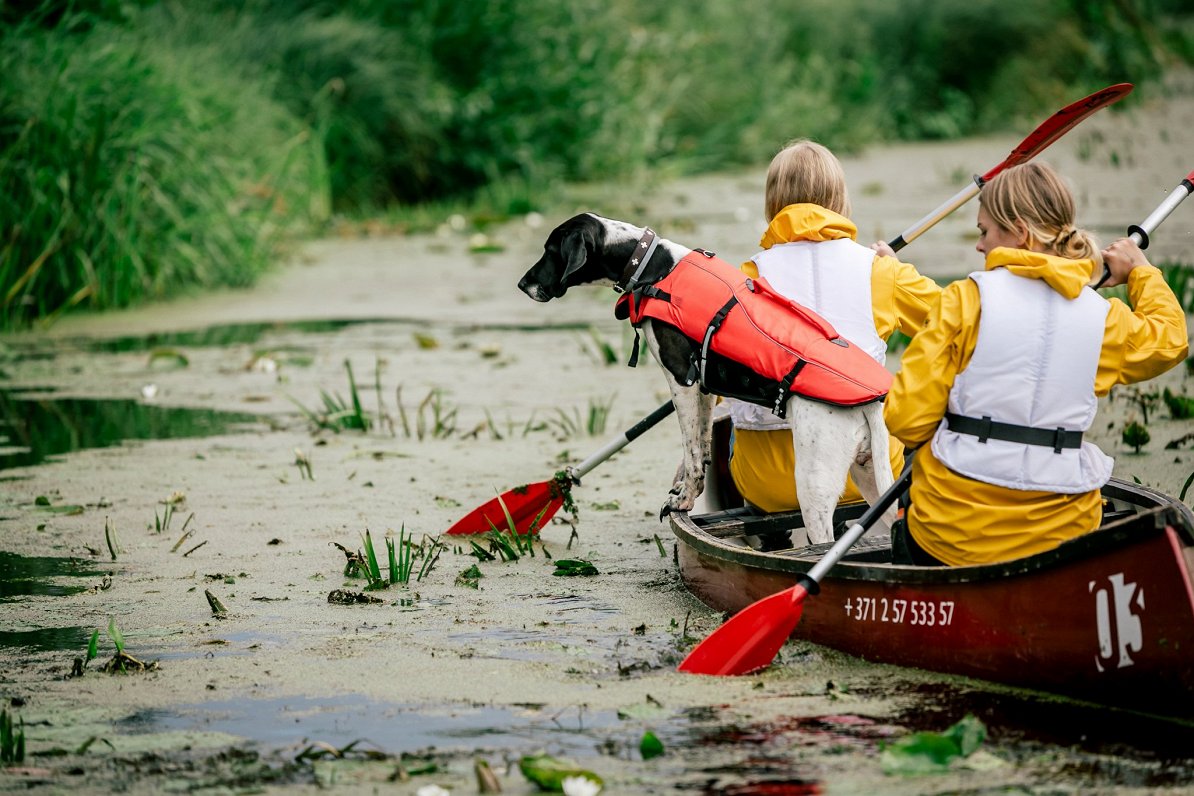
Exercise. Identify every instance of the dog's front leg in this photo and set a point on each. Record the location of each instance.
(694, 411)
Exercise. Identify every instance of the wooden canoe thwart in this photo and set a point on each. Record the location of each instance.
(1107, 617)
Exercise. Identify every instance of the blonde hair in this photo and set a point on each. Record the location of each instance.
(805, 171)
(1033, 194)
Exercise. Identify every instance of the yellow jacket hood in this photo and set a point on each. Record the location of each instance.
(807, 222)
(1067, 277)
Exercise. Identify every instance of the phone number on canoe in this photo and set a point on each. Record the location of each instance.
(929, 613)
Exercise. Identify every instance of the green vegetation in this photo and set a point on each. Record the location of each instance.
(933, 752)
(12, 740)
(1136, 435)
(152, 146)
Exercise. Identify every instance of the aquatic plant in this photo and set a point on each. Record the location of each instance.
(12, 739)
(1181, 407)
(1136, 435)
(932, 752)
(570, 424)
(550, 773)
(338, 414)
(110, 538)
(470, 577)
(122, 662)
(372, 570)
(572, 567)
(1144, 401)
(1186, 487)
(402, 558)
(650, 746)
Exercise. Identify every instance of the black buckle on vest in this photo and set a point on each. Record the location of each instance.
(984, 433)
(1059, 439)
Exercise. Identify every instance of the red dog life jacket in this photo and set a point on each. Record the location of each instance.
(786, 347)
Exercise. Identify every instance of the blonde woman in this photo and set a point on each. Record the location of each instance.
(1003, 381)
(810, 254)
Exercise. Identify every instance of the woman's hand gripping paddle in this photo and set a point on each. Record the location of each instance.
(751, 638)
(530, 507)
(1140, 232)
(1045, 134)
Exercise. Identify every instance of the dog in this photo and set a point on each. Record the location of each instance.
(829, 440)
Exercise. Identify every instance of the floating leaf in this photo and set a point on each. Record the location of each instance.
(169, 357)
(644, 711)
(933, 752)
(650, 746)
(573, 567)
(426, 341)
(549, 772)
(68, 511)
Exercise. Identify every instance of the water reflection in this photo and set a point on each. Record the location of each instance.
(34, 426)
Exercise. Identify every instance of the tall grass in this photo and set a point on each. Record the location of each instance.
(127, 178)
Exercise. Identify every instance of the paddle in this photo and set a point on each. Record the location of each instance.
(1139, 233)
(1049, 131)
(533, 505)
(751, 638)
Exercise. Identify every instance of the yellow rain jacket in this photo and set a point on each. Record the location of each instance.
(762, 462)
(963, 521)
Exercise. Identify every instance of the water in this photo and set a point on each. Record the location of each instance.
(43, 576)
(22, 576)
(395, 728)
(35, 426)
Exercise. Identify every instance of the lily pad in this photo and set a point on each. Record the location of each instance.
(549, 773)
(650, 746)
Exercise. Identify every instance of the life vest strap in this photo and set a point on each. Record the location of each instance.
(985, 428)
(714, 324)
(785, 384)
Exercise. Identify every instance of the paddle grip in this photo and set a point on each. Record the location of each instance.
(1140, 232)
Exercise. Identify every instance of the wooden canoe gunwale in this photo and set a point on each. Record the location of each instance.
(864, 562)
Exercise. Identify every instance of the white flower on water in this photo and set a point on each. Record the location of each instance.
(580, 786)
(433, 790)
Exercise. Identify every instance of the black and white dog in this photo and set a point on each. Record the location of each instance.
(829, 440)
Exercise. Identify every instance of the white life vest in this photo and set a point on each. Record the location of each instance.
(833, 279)
(1033, 366)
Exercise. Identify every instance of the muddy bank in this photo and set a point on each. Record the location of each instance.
(484, 390)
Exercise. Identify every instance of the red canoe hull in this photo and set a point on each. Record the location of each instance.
(1108, 617)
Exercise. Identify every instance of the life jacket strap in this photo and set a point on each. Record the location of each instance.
(714, 324)
(785, 385)
(985, 428)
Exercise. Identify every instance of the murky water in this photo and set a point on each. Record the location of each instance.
(35, 426)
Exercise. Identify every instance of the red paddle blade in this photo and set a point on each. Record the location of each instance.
(530, 507)
(751, 638)
(1059, 124)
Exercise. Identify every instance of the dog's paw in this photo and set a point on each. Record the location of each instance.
(676, 502)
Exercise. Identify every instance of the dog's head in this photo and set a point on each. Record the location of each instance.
(585, 249)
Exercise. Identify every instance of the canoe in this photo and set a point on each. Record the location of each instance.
(1107, 617)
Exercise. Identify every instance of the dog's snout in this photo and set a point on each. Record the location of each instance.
(533, 289)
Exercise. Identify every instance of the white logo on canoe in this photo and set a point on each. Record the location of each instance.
(1118, 621)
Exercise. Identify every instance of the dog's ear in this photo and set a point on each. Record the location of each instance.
(576, 251)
